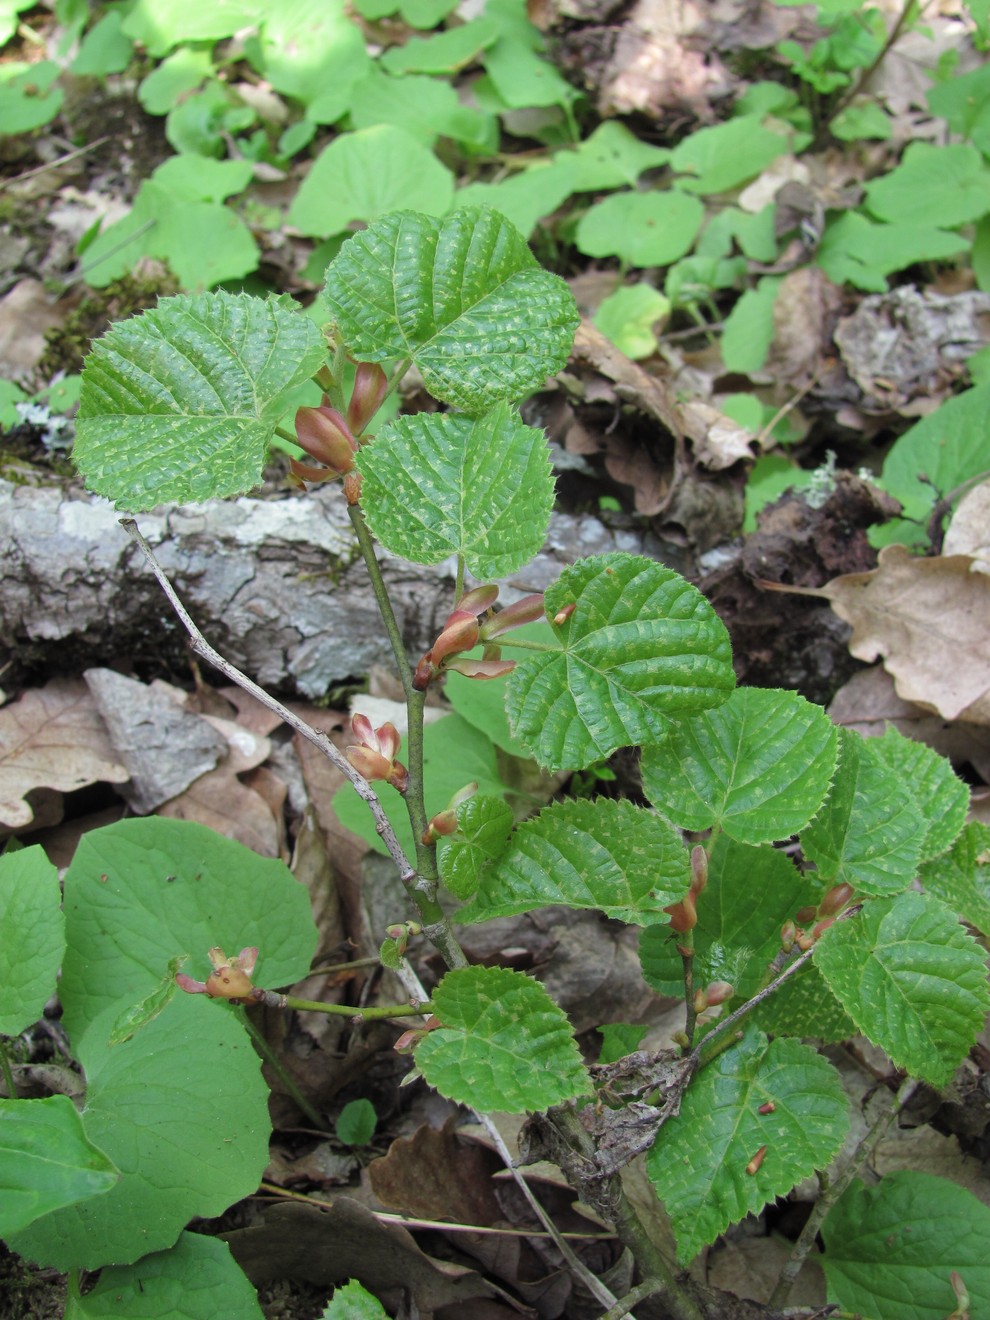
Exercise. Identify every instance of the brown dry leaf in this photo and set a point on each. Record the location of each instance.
(219, 800)
(722, 441)
(969, 531)
(435, 1175)
(929, 620)
(54, 737)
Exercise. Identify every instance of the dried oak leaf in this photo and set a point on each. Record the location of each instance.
(54, 737)
(929, 619)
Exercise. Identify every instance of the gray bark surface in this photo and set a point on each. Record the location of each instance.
(276, 584)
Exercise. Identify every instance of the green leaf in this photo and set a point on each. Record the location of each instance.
(606, 855)
(641, 644)
(146, 1010)
(865, 121)
(455, 753)
(202, 179)
(202, 120)
(751, 892)
(483, 828)
(181, 402)
(890, 1250)
(620, 1039)
(33, 939)
(483, 704)
(444, 52)
(463, 298)
(869, 833)
(140, 891)
(181, 1109)
(804, 1006)
(197, 1279)
(28, 97)
(364, 176)
(749, 327)
(527, 196)
(961, 877)
(439, 485)
(104, 49)
(522, 78)
(698, 1162)
(503, 1044)
(356, 1123)
(427, 108)
(613, 157)
(170, 81)
(943, 186)
(768, 478)
(628, 317)
(9, 9)
(726, 155)
(46, 1160)
(964, 100)
(757, 767)
(161, 24)
(643, 229)
(856, 250)
(911, 979)
(352, 1302)
(923, 451)
(203, 243)
(941, 797)
(306, 46)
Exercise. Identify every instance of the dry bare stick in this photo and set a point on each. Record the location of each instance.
(320, 740)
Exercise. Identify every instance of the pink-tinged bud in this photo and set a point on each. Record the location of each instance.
(528, 610)
(364, 731)
(373, 756)
(477, 600)
(804, 941)
(325, 436)
(564, 614)
(482, 668)
(398, 777)
(700, 1001)
(753, 1167)
(820, 927)
(370, 384)
(388, 740)
(835, 900)
(768, 1108)
(230, 978)
(369, 764)
(718, 992)
(699, 869)
(423, 673)
(962, 1297)
(804, 915)
(445, 822)
(683, 915)
(352, 487)
(788, 934)
(461, 635)
(408, 1041)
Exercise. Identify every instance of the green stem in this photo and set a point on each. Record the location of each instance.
(506, 639)
(283, 434)
(652, 1264)
(268, 1054)
(8, 1072)
(366, 545)
(459, 579)
(833, 1188)
(363, 1014)
(685, 947)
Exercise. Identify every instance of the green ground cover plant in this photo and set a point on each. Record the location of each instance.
(770, 957)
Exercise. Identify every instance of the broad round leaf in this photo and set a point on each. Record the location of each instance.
(644, 229)
(605, 855)
(698, 1162)
(182, 1110)
(33, 939)
(911, 979)
(181, 402)
(462, 297)
(890, 1250)
(942, 798)
(504, 1044)
(758, 767)
(870, 831)
(640, 644)
(197, 1279)
(750, 893)
(439, 485)
(46, 1161)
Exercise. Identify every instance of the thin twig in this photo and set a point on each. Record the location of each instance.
(853, 90)
(591, 1281)
(640, 1293)
(53, 164)
(320, 740)
(833, 1190)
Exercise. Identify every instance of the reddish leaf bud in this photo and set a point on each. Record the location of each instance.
(477, 600)
(528, 610)
(370, 384)
(564, 614)
(804, 915)
(754, 1165)
(398, 777)
(835, 900)
(683, 915)
(482, 668)
(820, 927)
(460, 635)
(804, 941)
(718, 992)
(699, 869)
(352, 487)
(230, 978)
(788, 934)
(767, 1108)
(369, 764)
(423, 673)
(325, 436)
